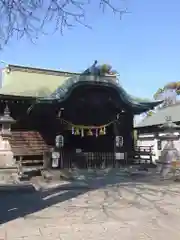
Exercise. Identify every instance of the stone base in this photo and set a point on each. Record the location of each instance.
(10, 181)
(60, 174)
(6, 154)
(6, 159)
(9, 175)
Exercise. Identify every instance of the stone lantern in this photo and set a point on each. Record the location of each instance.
(169, 153)
(169, 129)
(169, 126)
(6, 121)
(6, 154)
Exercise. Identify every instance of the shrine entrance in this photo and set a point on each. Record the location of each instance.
(90, 150)
(90, 142)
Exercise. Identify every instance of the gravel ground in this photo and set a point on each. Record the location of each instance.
(130, 208)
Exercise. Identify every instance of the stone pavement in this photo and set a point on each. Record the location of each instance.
(131, 210)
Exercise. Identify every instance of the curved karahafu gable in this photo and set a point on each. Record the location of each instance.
(93, 78)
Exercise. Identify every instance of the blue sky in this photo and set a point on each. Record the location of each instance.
(144, 46)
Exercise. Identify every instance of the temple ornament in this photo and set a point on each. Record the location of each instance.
(100, 70)
(88, 130)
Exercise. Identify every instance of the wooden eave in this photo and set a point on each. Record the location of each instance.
(5, 97)
(12, 67)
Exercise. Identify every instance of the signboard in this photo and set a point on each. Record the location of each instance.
(55, 159)
(119, 156)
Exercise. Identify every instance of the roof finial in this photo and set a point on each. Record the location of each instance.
(95, 63)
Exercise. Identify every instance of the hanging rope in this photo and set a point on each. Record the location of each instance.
(90, 130)
(87, 127)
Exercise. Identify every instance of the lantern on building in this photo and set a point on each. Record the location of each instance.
(59, 142)
(119, 141)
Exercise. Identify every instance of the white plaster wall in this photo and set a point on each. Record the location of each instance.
(143, 141)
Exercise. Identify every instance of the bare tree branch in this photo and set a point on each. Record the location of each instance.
(29, 18)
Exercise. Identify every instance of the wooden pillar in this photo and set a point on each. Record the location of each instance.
(119, 142)
(123, 136)
(47, 164)
(129, 132)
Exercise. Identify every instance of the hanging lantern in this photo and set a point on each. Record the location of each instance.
(89, 133)
(82, 132)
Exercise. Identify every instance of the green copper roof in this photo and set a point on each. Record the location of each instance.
(138, 99)
(64, 91)
(94, 76)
